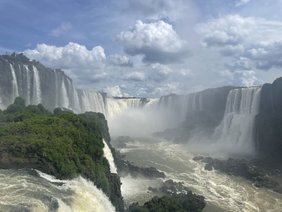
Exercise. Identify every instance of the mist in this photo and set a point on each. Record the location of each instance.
(189, 120)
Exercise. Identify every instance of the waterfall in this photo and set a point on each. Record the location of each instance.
(64, 95)
(36, 87)
(15, 89)
(236, 129)
(30, 192)
(116, 106)
(56, 89)
(76, 105)
(27, 84)
(92, 101)
(109, 156)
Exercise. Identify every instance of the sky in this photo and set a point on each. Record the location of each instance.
(149, 48)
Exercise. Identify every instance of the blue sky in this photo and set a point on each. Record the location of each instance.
(149, 47)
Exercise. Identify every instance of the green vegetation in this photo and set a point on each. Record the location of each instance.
(61, 143)
(171, 203)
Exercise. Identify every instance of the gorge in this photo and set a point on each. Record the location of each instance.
(243, 122)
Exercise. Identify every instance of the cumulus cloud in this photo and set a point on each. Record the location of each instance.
(159, 72)
(72, 55)
(119, 60)
(81, 63)
(60, 30)
(241, 77)
(135, 76)
(114, 91)
(156, 42)
(266, 55)
(252, 41)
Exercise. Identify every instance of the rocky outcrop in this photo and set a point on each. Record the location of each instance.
(62, 144)
(172, 196)
(268, 123)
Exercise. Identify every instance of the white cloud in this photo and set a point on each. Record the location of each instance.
(159, 72)
(135, 76)
(235, 30)
(79, 62)
(156, 41)
(241, 77)
(69, 56)
(60, 30)
(114, 91)
(256, 40)
(119, 60)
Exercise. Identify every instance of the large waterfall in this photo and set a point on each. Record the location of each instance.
(38, 84)
(225, 114)
(115, 106)
(25, 191)
(91, 101)
(236, 129)
(15, 90)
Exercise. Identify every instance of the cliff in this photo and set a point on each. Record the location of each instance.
(62, 144)
(199, 112)
(36, 84)
(268, 124)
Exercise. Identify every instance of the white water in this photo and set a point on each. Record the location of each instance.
(36, 87)
(75, 99)
(64, 95)
(109, 156)
(15, 89)
(236, 129)
(92, 101)
(116, 106)
(223, 192)
(27, 84)
(23, 191)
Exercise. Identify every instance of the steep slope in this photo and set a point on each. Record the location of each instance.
(62, 144)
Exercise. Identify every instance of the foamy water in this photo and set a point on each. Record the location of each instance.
(109, 156)
(26, 191)
(222, 192)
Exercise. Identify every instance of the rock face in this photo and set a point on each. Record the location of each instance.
(268, 125)
(199, 112)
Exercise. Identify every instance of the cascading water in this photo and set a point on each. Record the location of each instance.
(36, 86)
(92, 101)
(117, 106)
(15, 89)
(25, 191)
(236, 129)
(109, 156)
(27, 84)
(64, 95)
